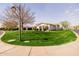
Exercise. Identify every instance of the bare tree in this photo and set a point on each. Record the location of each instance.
(65, 24)
(9, 24)
(20, 13)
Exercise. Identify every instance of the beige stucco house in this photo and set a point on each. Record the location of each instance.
(48, 26)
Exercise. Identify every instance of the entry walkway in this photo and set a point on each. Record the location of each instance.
(70, 49)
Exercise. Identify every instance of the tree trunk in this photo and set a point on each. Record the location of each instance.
(22, 26)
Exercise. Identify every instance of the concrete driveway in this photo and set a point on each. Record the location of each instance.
(70, 49)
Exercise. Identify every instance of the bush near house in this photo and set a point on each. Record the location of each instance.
(12, 29)
(30, 28)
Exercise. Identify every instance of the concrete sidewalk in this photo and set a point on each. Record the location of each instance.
(70, 49)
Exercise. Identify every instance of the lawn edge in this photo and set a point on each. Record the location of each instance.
(46, 46)
(2, 34)
(76, 34)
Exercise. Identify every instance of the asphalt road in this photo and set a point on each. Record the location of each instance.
(77, 31)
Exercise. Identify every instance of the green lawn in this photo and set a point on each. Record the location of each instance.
(39, 38)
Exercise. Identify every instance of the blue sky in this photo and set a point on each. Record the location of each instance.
(52, 13)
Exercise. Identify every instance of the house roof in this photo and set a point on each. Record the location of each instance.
(27, 25)
(46, 24)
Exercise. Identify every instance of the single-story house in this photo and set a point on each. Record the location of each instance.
(48, 26)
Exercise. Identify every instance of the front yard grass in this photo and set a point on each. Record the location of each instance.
(39, 38)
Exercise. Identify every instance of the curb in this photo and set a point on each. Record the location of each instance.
(2, 34)
(76, 34)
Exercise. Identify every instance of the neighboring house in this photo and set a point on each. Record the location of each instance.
(76, 27)
(28, 26)
(48, 26)
(72, 27)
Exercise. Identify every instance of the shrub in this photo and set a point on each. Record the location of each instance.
(30, 28)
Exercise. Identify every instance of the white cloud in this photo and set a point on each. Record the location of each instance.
(71, 15)
(76, 10)
(67, 11)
